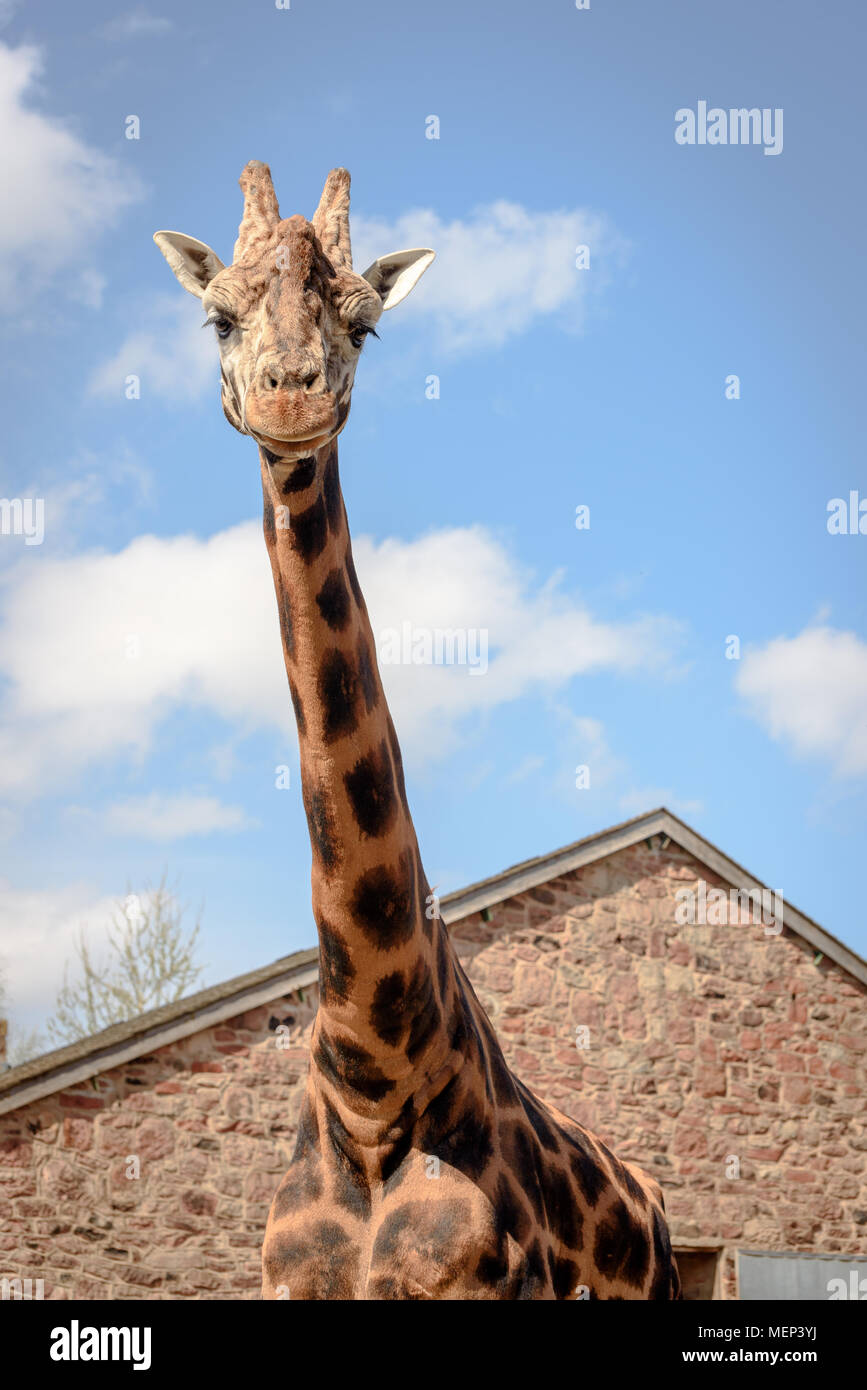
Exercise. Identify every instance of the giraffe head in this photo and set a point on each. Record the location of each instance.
(290, 314)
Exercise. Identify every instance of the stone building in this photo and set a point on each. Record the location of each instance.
(725, 1056)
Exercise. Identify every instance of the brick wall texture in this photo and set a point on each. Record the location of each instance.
(730, 1063)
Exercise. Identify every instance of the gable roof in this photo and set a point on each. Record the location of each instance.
(532, 872)
(123, 1042)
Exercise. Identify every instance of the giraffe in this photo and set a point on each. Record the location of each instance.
(423, 1168)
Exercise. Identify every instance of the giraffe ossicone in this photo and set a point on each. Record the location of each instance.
(423, 1167)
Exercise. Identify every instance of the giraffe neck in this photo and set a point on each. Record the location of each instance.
(386, 1028)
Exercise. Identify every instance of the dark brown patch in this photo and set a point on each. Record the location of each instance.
(406, 1006)
(666, 1280)
(333, 601)
(502, 1081)
(565, 1219)
(338, 691)
(298, 708)
(321, 825)
(350, 1068)
(521, 1153)
(309, 531)
(586, 1166)
(301, 477)
(307, 1139)
(493, 1267)
(384, 903)
(564, 1275)
(622, 1248)
(538, 1119)
(349, 566)
(443, 962)
(351, 1187)
(627, 1180)
(459, 1031)
(532, 1278)
(268, 524)
(331, 492)
(398, 763)
(336, 971)
(370, 788)
(287, 630)
(367, 674)
(423, 892)
(512, 1216)
(466, 1141)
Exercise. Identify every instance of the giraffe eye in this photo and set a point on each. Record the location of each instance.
(358, 332)
(222, 325)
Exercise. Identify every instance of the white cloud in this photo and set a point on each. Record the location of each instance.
(158, 817)
(538, 637)
(38, 929)
(139, 24)
(60, 192)
(98, 649)
(810, 691)
(170, 354)
(497, 271)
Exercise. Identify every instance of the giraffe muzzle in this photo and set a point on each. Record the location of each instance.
(290, 417)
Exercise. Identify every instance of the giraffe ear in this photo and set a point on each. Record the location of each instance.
(194, 263)
(394, 276)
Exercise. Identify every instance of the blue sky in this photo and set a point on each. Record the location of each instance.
(559, 387)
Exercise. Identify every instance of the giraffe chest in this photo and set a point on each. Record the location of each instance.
(430, 1234)
(436, 1237)
(463, 1211)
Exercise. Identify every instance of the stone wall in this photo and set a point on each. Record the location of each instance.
(154, 1179)
(727, 1061)
(724, 1059)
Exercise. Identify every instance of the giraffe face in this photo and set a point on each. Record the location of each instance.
(290, 314)
(290, 329)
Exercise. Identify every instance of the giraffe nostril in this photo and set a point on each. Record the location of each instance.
(309, 380)
(271, 382)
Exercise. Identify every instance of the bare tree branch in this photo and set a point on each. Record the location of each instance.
(150, 961)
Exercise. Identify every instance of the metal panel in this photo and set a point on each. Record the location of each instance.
(780, 1274)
